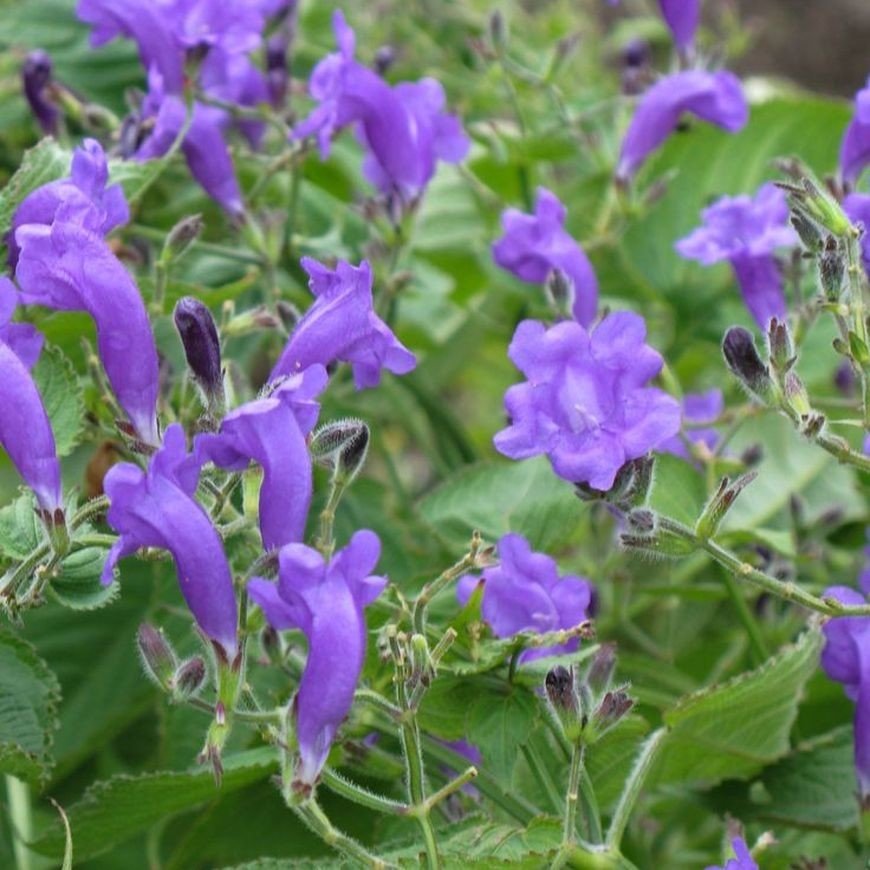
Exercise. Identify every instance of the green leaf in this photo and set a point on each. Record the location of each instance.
(445, 707)
(29, 695)
(45, 162)
(119, 808)
(62, 396)
(734, 729)
(488, 840)
(78, 585)
(496, 498)
(20, 530)
(678, 489)
(610, 759)
(499, 724)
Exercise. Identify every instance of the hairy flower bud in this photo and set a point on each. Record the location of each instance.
(782, 356)
(559, 290)
(158, 657)
(341, 446)
(188, 678)
(601, 670)
(36, 80)
(742, 358)
(559, 686)
(832, 269)
(182, 236)
(808, 231)
(202, 348)
(721, 503)
(613, 706)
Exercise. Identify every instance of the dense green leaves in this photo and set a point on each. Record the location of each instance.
(29, 696)
(61, 394)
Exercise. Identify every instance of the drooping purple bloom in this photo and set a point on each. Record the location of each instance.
(404, 128)
(857, 208)
(742, 859)
(36, 79)
(342, 325)
(745, 231)
(534, 245)
(585, 403)
(682, 18)
(83, 197)
(272, 433)
(700, 410)
(715, 97)
(326, 602)
(156, 508)
(524, 592)
(25, 430)
(855, 147)
(207, 25)
(846, 659)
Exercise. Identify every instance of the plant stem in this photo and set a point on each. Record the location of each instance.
(450, 788)
(21, 820)
(590, 806)
(569, 832)
(633, 786)
(542, 775)
(89, 509)
(417, 790)
(350, 790)
(759, 649)
(430, 590)
(326, 537)
(312, 815)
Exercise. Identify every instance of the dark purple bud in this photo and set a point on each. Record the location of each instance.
(385, 57)
(341, 446)
(202, 348)
(742, 358)
(601, 670)
(832, 269)
(158, 658)
(752, 455)
(559, 289)
(277, 68)
(782, 356)
(182, 236)
(808, 231)
(559, 685)
(721, 503)
(188, 678)
(844, 378)
(636, 54)
(36, 78)
(290, 315)
(642, 521)
(614, 705)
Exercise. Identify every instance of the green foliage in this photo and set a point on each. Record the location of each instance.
(61, 394)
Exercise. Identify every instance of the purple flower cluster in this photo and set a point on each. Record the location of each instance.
(533, 246)
(62, 261)
(746, 231)
(525, 593)
(586, 403)
(403, 127)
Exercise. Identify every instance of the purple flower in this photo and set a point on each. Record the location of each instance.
(25, 430)
(326, 602)
(700, 409)
(342, 325)
(857, 208)
(585, 403)
(36, 80)
(742, 860)
(713, 97)
(534, 245)
(524, 592)
(404, 128)
(855, 147)
(83, 197)
(156, 508)
(745, 231)
(846, 659)
(682, 17)
(272, 433)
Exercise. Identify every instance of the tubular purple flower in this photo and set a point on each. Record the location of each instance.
(745, 231)
(342, 325)
(326, 602)
(585, 403)
(682, 18)
(156, 508)
(534, 245)
(857, 208)
(855, 147)
(742, 859)
(36, 79)
(404, 128)
(846, 659)
(700, 409)
(524, 592)
(713, 97)
(25, 430)
(272, 432)
(70, 268)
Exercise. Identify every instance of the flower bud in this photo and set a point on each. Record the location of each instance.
(158, 657)
(742, 358)
(341, 446)
(36, 80)
(614, 705)
(188, 678)
(782, 356)
(718, 506)
(832, 269)
(796, 394)
(277, 68)
(601, 670)
(385, 57)
(808, 232)
(182, 236)
(559, 686)
(559, 290)
(202, 348)
(642, 521)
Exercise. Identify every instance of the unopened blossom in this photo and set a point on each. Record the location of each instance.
(271, 432)
(202, 346)
(36, 81)
(404, 127)
(700, 411)
(534, 245)
(855, 147)
(524, 592)
(742, 860)
(682, 18)
(342, 325)
(25, 430)
(586, 403)
(326, 602)
(715, 97)
(156, 508)
(857, 208)
(746, 230)
(846, 659)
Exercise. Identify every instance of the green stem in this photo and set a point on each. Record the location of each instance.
(89, 510)
(590, 806)
(450, 788)
(417, 790)
(21, 819)
(569, 831)
(759, 649)
(347, 789)
(326, 536)
(632, 788)
(430, 590)
(205, 247)
(542, 775)
(313, 816)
